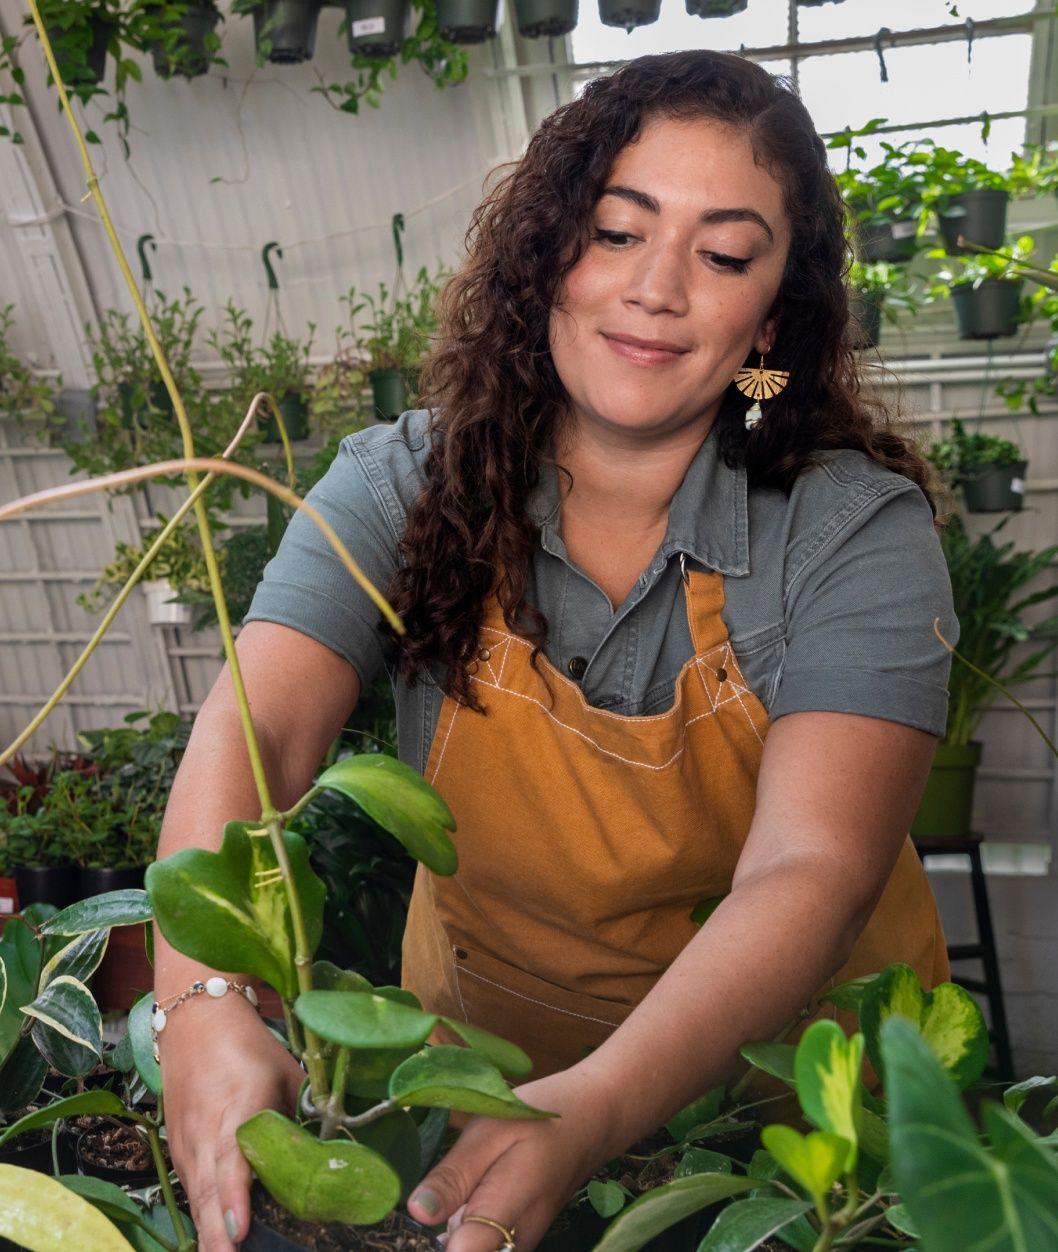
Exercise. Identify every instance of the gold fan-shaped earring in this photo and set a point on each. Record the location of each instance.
(760, 384)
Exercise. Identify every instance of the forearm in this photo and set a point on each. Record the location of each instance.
(764, 952)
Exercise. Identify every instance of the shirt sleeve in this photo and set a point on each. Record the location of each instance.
(307, 587)
(860, 635)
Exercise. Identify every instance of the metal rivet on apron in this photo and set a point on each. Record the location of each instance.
(721, 675)
(577, 666)
(484, 654)
(461, 953)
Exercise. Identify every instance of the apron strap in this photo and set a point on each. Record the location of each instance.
(703, 592)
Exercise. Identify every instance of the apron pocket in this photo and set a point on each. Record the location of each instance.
(556, 1027)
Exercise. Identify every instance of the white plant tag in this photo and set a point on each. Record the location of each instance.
(901, 230)
(369, 26)
(1017, 485)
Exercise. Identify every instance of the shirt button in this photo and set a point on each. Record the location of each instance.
(577, 666)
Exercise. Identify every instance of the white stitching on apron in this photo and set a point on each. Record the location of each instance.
(440, 756)
(532, 999)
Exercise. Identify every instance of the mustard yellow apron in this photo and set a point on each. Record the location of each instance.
(586, 838)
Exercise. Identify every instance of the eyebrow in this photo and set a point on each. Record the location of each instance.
(710, 217)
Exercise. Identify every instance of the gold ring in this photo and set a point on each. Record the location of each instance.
(508, 1235)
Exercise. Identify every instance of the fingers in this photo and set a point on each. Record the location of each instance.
(218, 1188)
(492, 1198)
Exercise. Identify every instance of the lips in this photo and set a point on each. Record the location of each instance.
(644, 352)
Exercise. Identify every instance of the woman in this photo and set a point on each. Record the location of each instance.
(656, 655)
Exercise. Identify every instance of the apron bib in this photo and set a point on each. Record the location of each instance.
(586, 838)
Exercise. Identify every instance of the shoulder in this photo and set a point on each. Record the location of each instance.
(390, 458)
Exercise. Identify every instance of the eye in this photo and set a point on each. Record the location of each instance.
(738, 265)
(608, 237)
(613, 239)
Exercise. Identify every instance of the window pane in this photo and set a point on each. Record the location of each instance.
(761, 25)
(864, 17)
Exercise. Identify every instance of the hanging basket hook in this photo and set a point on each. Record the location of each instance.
(141, 247)
(273, 282)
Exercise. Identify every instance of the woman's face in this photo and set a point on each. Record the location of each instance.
(688, 242)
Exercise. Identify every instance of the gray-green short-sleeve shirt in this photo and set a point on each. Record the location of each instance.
(830, 593)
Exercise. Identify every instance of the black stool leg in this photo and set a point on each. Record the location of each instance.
(989, 960)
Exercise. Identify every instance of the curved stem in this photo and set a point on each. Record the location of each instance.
(185, 1241)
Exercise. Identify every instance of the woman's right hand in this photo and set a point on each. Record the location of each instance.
(220, 1066)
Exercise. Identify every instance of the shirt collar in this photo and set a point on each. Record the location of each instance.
(708, 515)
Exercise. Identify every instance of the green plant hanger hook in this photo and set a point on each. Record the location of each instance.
(273, 282)
(398, 227)
(145, 265)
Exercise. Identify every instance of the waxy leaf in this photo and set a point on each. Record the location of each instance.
(326, 976)
(948, 1017)
(747, 1223)
(66, 1027)
(664, 1206)
(507, 1057)
(401, 801)
(698, 1113)
(39, 1213)
(330, 1180)
(816, 1160)
(848, 995)
(1015, 1096)
(457, 1078)
(702, 1161)
(395, 1138)
(776, 1059)
(117, 1205)
(22, 1076)
(362, 1020)
(962, 1197)
(606, 1198)
(80, 958)
(112, 908)
(97, 1101)
(143, 1045)
(228, 909)
(20, 952)
(827, 1071)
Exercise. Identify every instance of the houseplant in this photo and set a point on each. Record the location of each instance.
(967, 198)
(467, 21)
(629, 13)
(990, 470)
(988, 588)
(284, 30)
(876, 289)
(885, 201)
(985, 290)
(375, 28)
(538, 19)
(35, 850)
(180, 35)
(24, 399)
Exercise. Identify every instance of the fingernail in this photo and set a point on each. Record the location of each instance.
(428, 1200)
(230, 1224)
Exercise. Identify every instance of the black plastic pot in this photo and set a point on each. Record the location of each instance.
(122, 1177)
(865, 319)
(987, 310)
(629, 13)
(94, 880)
(30, 1151)
(995, 488)
(887, 241)
(539, 18)
(715, 8)
(980, 216)
(95, 65)
(50, 884)
(261, 1237)
(189, 58)
(291, 29)
(376, 27)
(389, 392)
(467, 21)
(295, 410)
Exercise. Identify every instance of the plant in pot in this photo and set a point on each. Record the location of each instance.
(876, 289)
(26, 400)
(179, 34)
(538, 19)
(715, 8)
(968, 199)
(374, 28)
(284, 30)
(34, 842)
(985, 290)
(885, 200)
(988, 588)
(629, 13)
(467, 21)
(990, 470)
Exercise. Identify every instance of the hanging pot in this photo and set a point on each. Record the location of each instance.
(467, 21)
(190, 57)
(537, 18)
(295, 410)
(160, 613)
(980, 216)
(987, 310)
(715, 8)
(46, 884)
(390, 394)
(994, 488)
(629, 13)
(865, 319)
(93, 69)
(887, 241)
(376, 27)
(289, 26)
(946, 807)
(77, 407)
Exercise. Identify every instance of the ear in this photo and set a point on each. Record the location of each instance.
(765, 339)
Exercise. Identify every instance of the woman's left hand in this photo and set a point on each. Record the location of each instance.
(519, 1173)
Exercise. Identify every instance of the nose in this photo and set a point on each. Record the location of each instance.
(658, 279)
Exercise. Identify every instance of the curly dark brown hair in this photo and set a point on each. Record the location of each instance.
(496, 400)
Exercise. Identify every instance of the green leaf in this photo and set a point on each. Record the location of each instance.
(80, 958)
(698, 1113)
(900, 1219)
(606, 1198)
(211, 907)
(702, 1161)
(816, 1160)
(827, 1069)
(776, 1059)
(747, 1223)
(113, 908)
(326, 976)
(1016, 1095)
(873, 1135)
(664, 1206)
(66, 1026)
(143, 1045)
(97, 1101)
(848, 995)
(108, 1198)
(395, 1138)
(457, 1078)
(961, 1197)
(39, 1213)
(20, 951)
(22, 1076)
(356, 1019)
(507, 1057)
(401, 801)
(704, 909)
(333, 1180)
(948, 1017)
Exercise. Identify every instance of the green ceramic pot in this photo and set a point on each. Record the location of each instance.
(539, 18)
(995, 488)
(389, 391)
(291, 29)
(295, 410)
(987, 310)
(886, 241)
(629, 13)
(947, 803)
(980, 216)
(467, 21)
(376, 27)
(189, 58)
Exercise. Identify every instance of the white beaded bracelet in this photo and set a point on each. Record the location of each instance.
(215, 987)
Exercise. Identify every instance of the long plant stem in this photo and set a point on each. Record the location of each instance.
(335, 1113)
(185, 1242)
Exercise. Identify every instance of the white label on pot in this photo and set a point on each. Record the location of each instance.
(1017, 485)
(901, 230)
(7, 904)
(369, 26)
